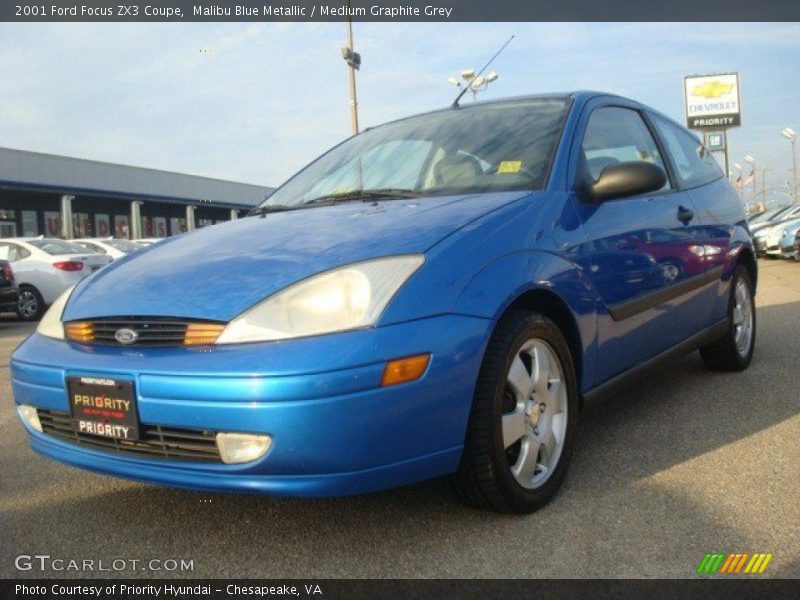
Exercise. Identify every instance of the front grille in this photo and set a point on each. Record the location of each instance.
(146, 331)
(156, 441)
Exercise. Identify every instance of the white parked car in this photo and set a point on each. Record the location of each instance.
(113, 247)
(44, 268)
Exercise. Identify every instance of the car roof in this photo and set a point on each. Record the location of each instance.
(578, 98)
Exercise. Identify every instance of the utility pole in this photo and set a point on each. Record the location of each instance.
(752, 162)
(764, 172)
(794, 171)
(791, 135)
(353, 60)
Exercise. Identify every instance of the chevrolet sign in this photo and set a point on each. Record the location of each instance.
(712, 101)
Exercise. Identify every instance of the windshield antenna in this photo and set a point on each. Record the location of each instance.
(491, 60)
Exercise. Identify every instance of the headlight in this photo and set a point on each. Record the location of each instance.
(51, 324)
(346, 298)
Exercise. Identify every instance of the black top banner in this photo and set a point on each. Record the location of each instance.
(399, 10)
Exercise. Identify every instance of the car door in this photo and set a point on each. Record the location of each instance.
(719, 209)
(640, 251)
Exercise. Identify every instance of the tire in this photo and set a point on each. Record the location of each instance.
(495, 471)
(734, 351)
(31, 304)
(671, 270)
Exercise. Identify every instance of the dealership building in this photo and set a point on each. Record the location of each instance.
(60, 196)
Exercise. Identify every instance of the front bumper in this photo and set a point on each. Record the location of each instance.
(335, 430)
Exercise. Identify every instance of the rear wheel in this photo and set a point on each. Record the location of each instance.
(523, 420)
(735, 351)
(30, 306)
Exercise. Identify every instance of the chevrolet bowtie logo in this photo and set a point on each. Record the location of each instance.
(712, 89)
(734, 563)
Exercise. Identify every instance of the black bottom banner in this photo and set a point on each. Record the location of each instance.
(400, 589)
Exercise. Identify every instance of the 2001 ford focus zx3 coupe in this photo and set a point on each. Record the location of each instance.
(433, 296)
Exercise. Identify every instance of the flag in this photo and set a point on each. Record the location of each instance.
(750, 178)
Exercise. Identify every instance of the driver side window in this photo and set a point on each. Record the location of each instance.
(614, 135)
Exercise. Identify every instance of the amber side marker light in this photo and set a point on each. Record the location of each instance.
(198, 334)
(79, 331)
(404, 370)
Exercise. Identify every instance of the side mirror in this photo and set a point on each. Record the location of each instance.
(626, 179)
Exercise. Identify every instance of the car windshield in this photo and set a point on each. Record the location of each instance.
(123, 245)
(473, 149)
(767, 215)
(792, 213)
(58, 247)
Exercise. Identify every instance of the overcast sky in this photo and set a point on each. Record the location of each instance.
(254, 102)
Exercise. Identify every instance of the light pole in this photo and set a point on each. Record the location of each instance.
(474, 83)
(790, 135)
(752, 162)
(353, 60)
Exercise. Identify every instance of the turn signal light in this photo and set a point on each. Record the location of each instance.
(404, 370)
(198, 334)
(79, 331)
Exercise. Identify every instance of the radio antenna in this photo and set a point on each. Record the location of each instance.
(491, 60)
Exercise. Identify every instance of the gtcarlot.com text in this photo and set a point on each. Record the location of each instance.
(46, 562)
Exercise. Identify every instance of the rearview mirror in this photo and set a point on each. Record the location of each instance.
(626, 179)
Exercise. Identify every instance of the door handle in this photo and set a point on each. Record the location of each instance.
(685, 214)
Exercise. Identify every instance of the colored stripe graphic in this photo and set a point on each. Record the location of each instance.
(733, 563)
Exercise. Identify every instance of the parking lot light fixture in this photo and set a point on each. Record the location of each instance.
(472, 82)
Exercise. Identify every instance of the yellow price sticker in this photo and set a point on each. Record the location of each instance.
(509, 166)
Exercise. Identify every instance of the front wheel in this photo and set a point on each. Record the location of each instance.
(735, 351)
(523, 420)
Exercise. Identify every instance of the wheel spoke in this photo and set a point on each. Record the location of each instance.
(527, 461)
(738, 315)
(541, 369)
(549, 447)
(520, 379)
(558, 425)
(513, 427)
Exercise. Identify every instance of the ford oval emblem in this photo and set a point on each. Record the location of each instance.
(126, 336)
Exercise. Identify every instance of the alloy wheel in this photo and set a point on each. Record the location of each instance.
(743, 317)
(28, 303)
(534, 423)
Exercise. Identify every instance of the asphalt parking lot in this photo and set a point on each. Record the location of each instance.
(683, 463)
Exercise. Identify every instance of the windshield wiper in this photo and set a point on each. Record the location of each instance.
(266, 208)
(363, 195)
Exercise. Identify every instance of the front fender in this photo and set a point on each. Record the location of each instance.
(505, 279)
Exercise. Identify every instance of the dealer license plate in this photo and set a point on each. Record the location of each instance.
(103, 407)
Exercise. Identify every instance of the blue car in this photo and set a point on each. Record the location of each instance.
(788, 236)
(435, 296)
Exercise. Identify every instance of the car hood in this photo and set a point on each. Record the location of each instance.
(218, 272)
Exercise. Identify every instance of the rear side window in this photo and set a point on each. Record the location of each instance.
(693, 162)
(55, 246)
(12, 252)
(614, 135)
